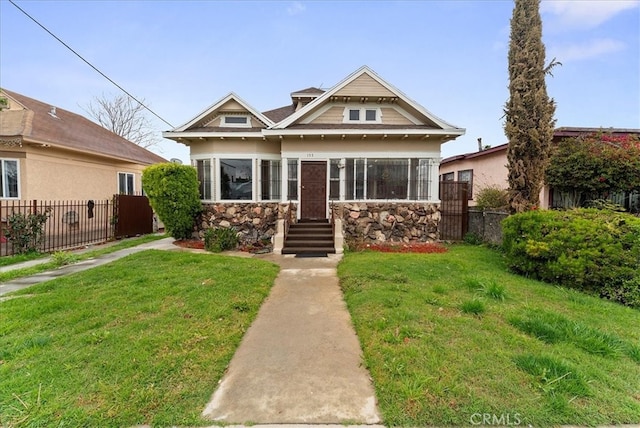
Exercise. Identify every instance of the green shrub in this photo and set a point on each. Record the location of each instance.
(593, 250)
(26, 231)
(492, 198)
(220, 239)
(173, 193)
(63, 258)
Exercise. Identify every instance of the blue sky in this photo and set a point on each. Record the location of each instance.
(449, 56)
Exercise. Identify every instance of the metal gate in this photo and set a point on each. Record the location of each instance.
(132, 216)
(454, 210)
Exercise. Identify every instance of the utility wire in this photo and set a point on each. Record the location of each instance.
(89, 64)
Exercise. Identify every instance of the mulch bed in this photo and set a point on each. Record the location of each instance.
(391, 247)
(196, 244)
(414, 247)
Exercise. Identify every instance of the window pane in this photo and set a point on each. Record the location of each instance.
(235, 120)
(271, 179)
(387, 178)
(467, 176)
(203, 167)
(130, 187)
(370, 115)
(422, 170)
(122, 183)
(9, 178)
(334, 179)
(354, 114)
(448, 176)
(292, 173)
(236, 179)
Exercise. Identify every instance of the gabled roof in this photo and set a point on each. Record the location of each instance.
(212, 110)
(326, 96)
(278, 114)
(40, 122)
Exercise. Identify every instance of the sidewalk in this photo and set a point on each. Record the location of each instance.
(300, 361)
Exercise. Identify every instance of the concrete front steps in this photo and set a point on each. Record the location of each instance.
(310, 237)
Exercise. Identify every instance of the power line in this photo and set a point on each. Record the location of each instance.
(89, 64)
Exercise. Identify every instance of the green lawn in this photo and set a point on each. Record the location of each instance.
(68, 256)
(454, 338)
(142, 340)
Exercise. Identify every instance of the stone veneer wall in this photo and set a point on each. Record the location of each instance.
(254, 221)
(385, 221)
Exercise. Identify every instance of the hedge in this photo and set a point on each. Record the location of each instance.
(173, 194)
(597, 251)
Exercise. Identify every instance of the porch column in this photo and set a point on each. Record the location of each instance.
(434, 179)
(284, 182)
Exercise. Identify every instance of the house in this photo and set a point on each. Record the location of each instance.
(361, 153)
(47, 153)
(488, 167)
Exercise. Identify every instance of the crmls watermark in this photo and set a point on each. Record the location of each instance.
(504, 419)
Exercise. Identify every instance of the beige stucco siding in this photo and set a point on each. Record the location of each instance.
(248, 147)
(51, 177)
(309, 149)
(365, 85)
(51, 174)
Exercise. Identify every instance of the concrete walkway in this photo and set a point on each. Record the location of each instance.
(300, 361)
(20, 283)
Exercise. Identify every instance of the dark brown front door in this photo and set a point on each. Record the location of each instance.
(313, 193)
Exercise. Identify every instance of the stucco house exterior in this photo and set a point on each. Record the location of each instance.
(361, 153)
(47, 153)
(488, 167)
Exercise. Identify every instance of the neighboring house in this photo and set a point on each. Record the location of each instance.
(47, 153)
(361, 150)
(488, 167)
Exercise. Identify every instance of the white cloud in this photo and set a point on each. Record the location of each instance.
(587, 50)
(296, 8)
(585, 14)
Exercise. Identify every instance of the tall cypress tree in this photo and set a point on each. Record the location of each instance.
(529, 111)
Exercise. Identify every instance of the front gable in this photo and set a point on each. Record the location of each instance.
(229, 114)
(365, 101)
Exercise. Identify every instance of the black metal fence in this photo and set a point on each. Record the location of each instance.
(69, 224)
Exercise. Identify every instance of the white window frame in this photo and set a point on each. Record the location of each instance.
(362, 117)
(223, 121)
(5, 184)
(133, 182)
(194, 163)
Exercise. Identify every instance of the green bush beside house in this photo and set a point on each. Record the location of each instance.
(597, 251)
(173, 193)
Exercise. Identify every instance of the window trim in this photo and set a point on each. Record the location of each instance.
(212, 184)
(5, 183)
(225, 124)
(362, 114)
(133, 182)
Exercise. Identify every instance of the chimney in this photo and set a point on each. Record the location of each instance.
(479, 144)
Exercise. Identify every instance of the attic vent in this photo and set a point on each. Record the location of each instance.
(52, 112)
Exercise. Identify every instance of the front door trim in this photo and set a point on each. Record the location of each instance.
(313, 189)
